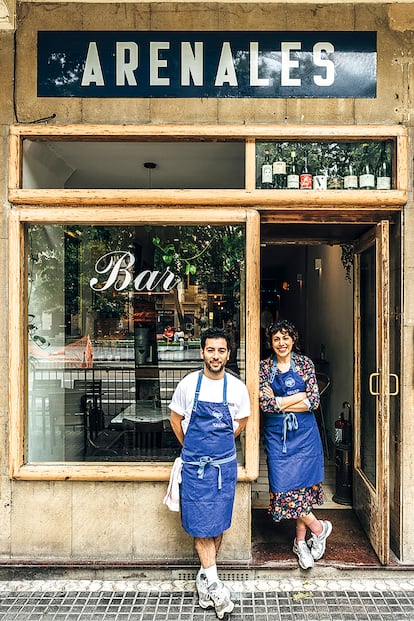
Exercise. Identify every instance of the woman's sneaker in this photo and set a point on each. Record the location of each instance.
(300, 548)
(220, 595)
(204, 598)
(317, 543)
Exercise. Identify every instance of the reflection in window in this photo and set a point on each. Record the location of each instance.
(114, 322)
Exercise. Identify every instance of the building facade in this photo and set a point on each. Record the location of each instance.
(143, 201)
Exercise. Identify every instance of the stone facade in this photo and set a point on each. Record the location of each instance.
(57, 520)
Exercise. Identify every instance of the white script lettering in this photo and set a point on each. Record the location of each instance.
(118, 265)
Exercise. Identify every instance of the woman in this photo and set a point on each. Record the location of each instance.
(288, 395)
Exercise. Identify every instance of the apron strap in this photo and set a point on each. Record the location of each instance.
(198, 388)
(210, 461)
(197, 392)
(290, 423)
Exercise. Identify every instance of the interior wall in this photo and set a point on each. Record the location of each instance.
(330, 321)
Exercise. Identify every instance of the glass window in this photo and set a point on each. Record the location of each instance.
(114, 319)
(325, 165)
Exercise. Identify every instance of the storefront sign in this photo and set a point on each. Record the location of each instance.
(118, 274)
(206, 64)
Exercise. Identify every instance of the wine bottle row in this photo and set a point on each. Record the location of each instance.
(324, 166)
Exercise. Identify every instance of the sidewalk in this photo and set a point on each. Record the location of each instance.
(288, 598)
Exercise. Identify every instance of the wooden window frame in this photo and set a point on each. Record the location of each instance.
(185, 207)
(276, 200)
(119, 471)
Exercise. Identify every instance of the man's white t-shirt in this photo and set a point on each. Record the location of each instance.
(211, 390)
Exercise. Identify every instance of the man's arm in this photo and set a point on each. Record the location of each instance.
(241, 425)
(176, 420)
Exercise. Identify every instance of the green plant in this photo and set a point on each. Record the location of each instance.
(347, 259)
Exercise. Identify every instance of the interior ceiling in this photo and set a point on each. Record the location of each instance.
(121, 165)
(180, 164)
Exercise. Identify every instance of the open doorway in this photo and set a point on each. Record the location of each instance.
(307, 278)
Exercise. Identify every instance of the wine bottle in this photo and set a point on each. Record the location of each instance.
(279, 172)
(293, 176)
(335, 179)
(267, 172)
(350, 176)
(383, 171)
(320, 179)
(305, 177)
(366, 175)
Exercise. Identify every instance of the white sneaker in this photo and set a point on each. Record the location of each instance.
(300, 548)
(317, 543)
(220, 595)
(204, 598)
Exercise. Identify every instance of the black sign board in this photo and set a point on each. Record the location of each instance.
(206, 64)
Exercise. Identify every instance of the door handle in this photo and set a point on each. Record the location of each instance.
(371, 382)
(397, 385)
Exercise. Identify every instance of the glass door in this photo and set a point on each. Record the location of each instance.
(372, 387)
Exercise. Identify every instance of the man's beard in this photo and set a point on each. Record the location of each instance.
(214, 370)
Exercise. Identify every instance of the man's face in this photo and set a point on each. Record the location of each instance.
(215, 355)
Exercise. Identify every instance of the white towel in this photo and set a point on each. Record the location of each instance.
(172, 497)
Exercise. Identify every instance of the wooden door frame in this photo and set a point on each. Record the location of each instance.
(372, 503)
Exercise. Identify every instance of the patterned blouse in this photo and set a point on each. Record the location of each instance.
(304, 367)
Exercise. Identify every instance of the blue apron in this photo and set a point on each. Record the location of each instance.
(292, 441)
(209, 473)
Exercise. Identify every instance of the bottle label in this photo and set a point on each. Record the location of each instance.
(383, 183)
(351, 182)
(305, 182)
(279, 168)
(320, 182)
(367, 181)
(338, 436)
(335, 183)
(293, 182)
(267, 174)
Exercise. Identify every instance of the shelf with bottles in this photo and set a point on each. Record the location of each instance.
(325, 165)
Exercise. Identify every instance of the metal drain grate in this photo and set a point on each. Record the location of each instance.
(233, 576)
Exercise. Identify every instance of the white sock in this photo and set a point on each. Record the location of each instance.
(201, 572)
(211, 574)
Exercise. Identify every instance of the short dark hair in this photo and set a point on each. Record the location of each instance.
(284, 326)
(215, 333)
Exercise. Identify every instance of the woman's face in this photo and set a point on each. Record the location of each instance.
(282, 344)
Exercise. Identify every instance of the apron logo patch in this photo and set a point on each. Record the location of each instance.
(218, 416)
(290, 382)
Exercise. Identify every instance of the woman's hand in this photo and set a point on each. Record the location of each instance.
(267, 391)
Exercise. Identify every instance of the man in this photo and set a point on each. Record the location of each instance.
(209, 409)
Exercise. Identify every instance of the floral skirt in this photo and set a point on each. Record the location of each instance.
(294, 504)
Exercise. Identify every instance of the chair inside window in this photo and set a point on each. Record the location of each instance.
(98, 439)
(142, 438)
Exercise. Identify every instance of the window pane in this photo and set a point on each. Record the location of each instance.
(115, 316)
(369, 315)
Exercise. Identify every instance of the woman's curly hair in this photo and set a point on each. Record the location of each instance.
(286, 327)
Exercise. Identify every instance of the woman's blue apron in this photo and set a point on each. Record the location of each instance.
(209, 473)
(292, 440)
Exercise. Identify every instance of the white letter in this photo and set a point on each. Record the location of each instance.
(226, 71)
(92, 73)
(156, 63)
(318, 48)
(191, 63)
(286, 80)
(117, 270)
(124, 69)
(254, 66)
